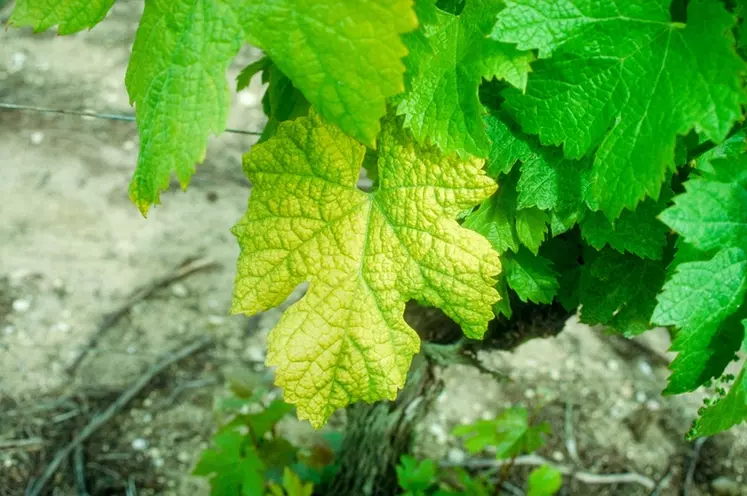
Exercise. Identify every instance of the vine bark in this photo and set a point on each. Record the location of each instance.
(378, 434)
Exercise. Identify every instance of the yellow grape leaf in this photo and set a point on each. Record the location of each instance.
(364, 254)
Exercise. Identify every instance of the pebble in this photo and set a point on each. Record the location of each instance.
(21, 305)
(558, 456)
(456, 456)
(128, 145)
(653, 405)
(529, 393)
(613, 365)
(8, 330)
(439, 432)
(234, 343)
(158, 462)
(626, 391)
(17, 61)
(179, 290)
(554, 375)
(37, 137)
(147, 418)
(132, 350)
(725, 486)
(255, 354)
(216, 320)
(61, 327)
(645, 368)
(183, 457)
(139, 444)
(248, 99)
(640, 397)
(8, 462)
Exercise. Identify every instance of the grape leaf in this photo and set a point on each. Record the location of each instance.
(624, 78)
(639, 232)
(706, 290)
(713, 211)
(531, 227)
(731, 148)
(415, 476)
(726, 412)
(619, 291)
(442, 104)
(365, 255)
(510, 434)
(71, 15)
(176, 79)
(281, 102)
(343, 55)
(508, 145)
(544, 481)
(531, 277)
(247, 73)
(233, 466)
(495, 218)
(697, 300)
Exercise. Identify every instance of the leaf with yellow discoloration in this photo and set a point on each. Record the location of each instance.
(364, 254)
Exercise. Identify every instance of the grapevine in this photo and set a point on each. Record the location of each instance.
(582, 152)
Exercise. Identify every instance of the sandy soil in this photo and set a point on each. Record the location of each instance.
(73, 248)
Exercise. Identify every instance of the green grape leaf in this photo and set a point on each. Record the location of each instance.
(503, 307)
(531, 277)
(639, 232)
(294, 486)
(262, 422)
(544, 481)
(233, 466)
(531, 227)
(364, 254)
(495, 218)
(698, 299)
(176, 80)
(71, 15)
(511, 434)
(442, 104)
(619, 291)
(281, 102)
(709, 276)
(726, 412)
(247, 73)
(624, 79)
(713, 211)
(415, 476)
(551, 182)
(508, 145)
(343, 55)
(731, 148)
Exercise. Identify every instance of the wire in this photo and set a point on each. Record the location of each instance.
(96, 115)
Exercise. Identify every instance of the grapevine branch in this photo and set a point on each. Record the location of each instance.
(102, 418)
(97, 115)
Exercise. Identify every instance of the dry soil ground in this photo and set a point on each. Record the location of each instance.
(73, 248)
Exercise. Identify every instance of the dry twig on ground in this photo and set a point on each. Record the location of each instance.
(582, 476)
(102, 418)
(188, 267)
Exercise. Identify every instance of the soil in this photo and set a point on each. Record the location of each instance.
(73, 248)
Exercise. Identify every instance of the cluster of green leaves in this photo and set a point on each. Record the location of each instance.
(612, 131)
(250, 458)
(509, 435)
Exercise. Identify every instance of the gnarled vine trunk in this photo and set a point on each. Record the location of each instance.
(378, 434)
